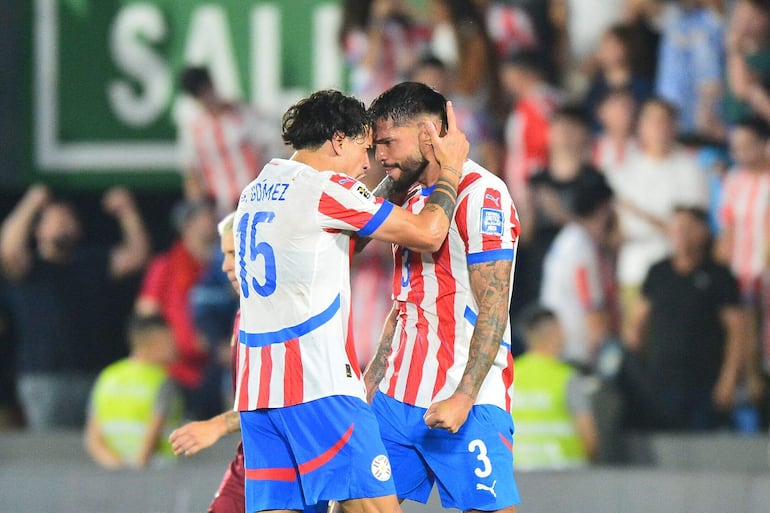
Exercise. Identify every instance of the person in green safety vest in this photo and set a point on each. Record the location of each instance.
(134, 405)
(555, 427)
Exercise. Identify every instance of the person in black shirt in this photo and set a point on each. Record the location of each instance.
(687, 330)
(61, 297)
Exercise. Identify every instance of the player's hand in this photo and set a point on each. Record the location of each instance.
(451, 149)
(194, 437)
(449, 414)
(118, 201)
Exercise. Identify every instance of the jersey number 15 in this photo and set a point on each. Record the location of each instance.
(247, 233)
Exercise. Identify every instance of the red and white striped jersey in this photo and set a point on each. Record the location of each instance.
(746, 212)
(292, 246)
(437, 308)
(227, 150)
(526, 136)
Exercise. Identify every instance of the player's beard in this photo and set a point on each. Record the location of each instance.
(411, 169)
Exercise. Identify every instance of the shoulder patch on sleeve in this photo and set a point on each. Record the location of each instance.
(492, 221)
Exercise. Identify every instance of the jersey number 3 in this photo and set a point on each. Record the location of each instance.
(247, 232)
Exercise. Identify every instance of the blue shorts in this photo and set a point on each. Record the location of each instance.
(473, 468)
(327, 449)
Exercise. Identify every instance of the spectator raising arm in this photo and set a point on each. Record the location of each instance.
(131, 254)
(15, 253)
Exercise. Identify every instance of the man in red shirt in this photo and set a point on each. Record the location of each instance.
(165, 291)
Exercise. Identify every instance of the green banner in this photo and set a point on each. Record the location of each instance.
(104, 72)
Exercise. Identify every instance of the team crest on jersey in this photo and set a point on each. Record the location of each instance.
(492, 221)
(381, 467)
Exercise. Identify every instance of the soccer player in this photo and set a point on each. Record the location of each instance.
(444, 367)
(308, 434)
(196, 436)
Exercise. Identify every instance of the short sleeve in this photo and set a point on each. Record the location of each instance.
(167, 396)
(650, 284)
(578, 399)
(488, 223)
(346, 204)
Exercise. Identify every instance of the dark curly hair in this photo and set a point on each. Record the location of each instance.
(407, 100)
(316, 119)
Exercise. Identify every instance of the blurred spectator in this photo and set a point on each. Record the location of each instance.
(166, 288)
(652, 182)
(582, 23)
(688, 330)
(213, 306)
(690, 67)
(617, 69)
(616, 141)
(134, 405)
(578, 275)
(745, 233)
(381, 43)
(643, 17)
(60, 281)
(526, 130)
(223, 145)
(553, 191)
(542, 14)
(472, 116)
(748, 61)
(461, 41)
(555, 427)
(510, 27)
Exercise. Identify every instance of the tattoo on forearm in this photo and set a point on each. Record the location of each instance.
(443, 196)
(375, 371)
(490, 282)
(232, 421)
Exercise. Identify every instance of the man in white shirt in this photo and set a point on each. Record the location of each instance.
(653, 181)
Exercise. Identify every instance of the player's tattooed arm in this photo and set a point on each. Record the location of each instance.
(490, 284)
(444, 196)
(375, 371)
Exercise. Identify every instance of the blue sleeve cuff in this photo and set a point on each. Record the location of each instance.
(490, 256)
(376, 220)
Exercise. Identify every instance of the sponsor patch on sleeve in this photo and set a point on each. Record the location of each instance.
(492, 221)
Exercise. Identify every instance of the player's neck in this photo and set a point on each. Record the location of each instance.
(430, 176)
(318, 159)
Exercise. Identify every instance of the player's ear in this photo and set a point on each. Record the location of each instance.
(338, 139)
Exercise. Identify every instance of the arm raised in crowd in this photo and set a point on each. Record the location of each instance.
(15, 253)
(130, 255)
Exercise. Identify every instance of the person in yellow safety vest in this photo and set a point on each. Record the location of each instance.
(134, 405)
(555, 427)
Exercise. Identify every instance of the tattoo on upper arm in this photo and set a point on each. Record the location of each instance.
(444, 196)
(490, 283)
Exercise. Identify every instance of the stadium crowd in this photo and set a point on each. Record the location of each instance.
(634, 137)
